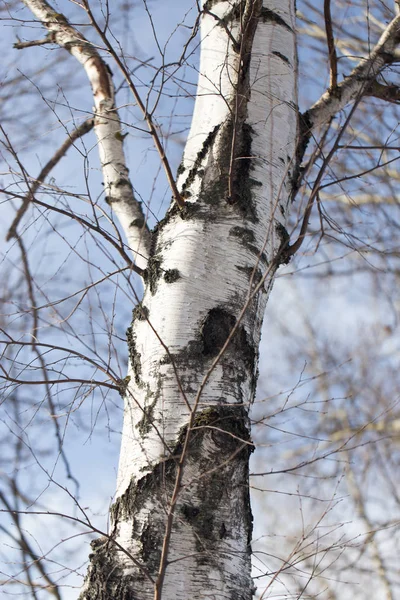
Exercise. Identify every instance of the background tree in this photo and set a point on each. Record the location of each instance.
(181, 519)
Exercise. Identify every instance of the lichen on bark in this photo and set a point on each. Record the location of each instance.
(134, 355)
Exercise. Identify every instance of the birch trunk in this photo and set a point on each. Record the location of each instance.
(182, 512)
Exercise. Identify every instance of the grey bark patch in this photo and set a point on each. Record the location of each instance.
(193, 210)
(140, 312)
(171, 275)
(146, 422)
(153, 272)
(105, 580)
(151, 538)
(228, 429)
(134, 356)
(255, 275)
(213, 507)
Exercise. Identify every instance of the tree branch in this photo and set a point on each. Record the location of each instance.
(390, 92)
(331, 44)
(147, 116)
(84, 128)
(21, 45)
(118, 187)
(360, 79)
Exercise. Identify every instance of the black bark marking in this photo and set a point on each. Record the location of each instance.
(210, 3)
(200, 156)
(282, 257)
(269, 15)
(281, 56)
(139, 223)
(146, 422)
(189, 512)
(140, 312)
(246, 236)
(215, 331)
(305, 127)
(171, 275)
(122, 182)
(242, 182)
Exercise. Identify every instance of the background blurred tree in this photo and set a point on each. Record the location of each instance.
(331, 323)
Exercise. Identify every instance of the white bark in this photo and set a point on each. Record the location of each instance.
(117, 186)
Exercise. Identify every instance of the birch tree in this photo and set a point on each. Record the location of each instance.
(181, 521)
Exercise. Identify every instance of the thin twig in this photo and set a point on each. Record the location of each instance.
(293, 248)
(152, 129)
(331, 44)
(21, 45)
(85, 223)
(84, 128)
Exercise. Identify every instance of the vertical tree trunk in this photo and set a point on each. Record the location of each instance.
(182, 508)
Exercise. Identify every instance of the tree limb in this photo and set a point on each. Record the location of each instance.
(118, 187)
(361, 78)
(331, 44)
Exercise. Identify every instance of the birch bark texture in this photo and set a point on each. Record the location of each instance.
(182, 507)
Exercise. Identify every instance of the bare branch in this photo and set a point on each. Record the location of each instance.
(84, 128)
(147, 116)
(331, 44)
(118, 187)
(361, 78)
(390, 93)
